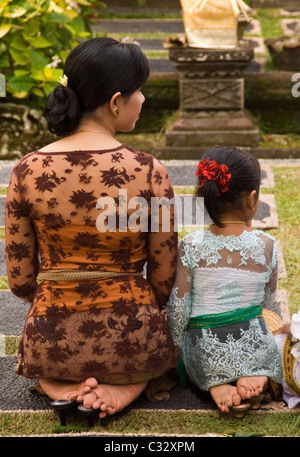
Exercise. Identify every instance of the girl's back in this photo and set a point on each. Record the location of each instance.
(230, 272)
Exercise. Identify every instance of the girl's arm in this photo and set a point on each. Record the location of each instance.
(179, 304)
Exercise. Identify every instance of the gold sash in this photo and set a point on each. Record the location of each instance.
(76, 275)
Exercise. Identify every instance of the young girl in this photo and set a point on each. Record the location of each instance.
(225, 276)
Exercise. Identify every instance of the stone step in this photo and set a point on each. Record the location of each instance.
(138, 26)
(14, 390)
(181, 172)
(13, 311)
(266, 216)
(3, 271)
(15, 396)
(6, 168)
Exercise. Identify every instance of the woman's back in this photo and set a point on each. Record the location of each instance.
(67, 196)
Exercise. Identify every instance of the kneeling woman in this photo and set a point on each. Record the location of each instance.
(95, 321)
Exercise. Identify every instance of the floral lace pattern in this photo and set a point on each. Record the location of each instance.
(211, 362)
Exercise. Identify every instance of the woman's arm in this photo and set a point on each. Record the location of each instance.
(162, 237)
(20, 241)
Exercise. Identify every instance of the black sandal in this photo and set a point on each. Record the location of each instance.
(62, 407)
(89, 413)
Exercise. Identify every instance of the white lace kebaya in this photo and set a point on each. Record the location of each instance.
(218, 274)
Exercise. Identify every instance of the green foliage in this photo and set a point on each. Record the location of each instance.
(35, 38)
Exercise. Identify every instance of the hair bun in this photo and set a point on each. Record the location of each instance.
(63, 110)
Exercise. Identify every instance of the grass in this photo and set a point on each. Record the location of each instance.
(166, 423)
(287, 196)
(270, 21)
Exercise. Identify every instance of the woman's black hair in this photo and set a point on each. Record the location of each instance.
(96, 70)
(245, 177)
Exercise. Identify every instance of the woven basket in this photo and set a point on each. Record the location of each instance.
(273, 320)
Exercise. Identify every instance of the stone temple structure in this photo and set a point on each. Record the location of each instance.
(211, 89)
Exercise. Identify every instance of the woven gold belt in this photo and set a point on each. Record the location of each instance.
(74, 275)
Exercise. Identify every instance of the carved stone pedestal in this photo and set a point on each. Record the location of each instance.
(211, 98)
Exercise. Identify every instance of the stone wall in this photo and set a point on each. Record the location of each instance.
(175, 4)
(22, 130)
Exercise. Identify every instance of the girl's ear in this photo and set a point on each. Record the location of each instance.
(252, 199)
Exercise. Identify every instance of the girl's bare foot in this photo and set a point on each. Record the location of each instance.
(110, 399)
(251, 386)
(225, 396)
(67, 391)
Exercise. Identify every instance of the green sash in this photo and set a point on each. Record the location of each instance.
(218, 320)
(227, 318)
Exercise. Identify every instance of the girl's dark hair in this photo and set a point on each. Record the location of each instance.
(96, 70)
(245, 177)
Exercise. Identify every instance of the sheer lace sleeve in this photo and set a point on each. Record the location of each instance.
(162, 239)
(20, 240)
(274, 266)
(179, 304)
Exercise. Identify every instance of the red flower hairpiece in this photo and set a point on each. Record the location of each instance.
(211, 170)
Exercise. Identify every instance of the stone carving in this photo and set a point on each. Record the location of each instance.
(22, 130)
(213, 94)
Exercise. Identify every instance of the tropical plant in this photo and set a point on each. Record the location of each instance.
(35, 39)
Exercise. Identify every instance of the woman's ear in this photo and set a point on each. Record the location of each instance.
(113, 104)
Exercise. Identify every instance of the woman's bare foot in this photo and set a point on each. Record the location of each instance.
(251, 386)
(67, 391)
(110, 399)
(225, 396)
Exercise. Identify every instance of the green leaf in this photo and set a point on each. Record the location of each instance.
(38, 60)
(52, 74)
(15, 11)
(21, 83)
(3, 48)
(77, 24)
(49, 87)
(20, 57)
(4, 29)
(58, 18)
(4, 61)
(31, 28)
(18, 42)
(40, 42)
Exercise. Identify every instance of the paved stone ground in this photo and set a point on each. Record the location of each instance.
(14, 393)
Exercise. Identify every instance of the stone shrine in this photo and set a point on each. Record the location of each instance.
(211, 97)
